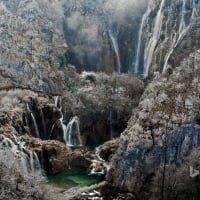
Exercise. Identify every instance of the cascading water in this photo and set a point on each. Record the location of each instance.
(34, 121)
(116, 49)
(99, 161)
(182, 22)
(137, 61)
(29, 159)
(71, 132)
(194, 10)
(154, 39)
(169, 54)
(181, 31)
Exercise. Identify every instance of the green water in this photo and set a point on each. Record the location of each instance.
(74, 177)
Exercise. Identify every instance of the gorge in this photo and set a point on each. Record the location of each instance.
(102, 95)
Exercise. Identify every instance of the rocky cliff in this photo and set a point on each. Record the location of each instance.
(163, 129)
(44, 46)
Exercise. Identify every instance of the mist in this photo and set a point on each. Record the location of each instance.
(85, 25)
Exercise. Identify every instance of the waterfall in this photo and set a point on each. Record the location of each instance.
(154, 39)
(71, 132)
(182, 22)
(56, 103)
(99, 161)
(181, 31)
(51, 130)
(31, 161)
(34, 121)
(28, 159)
(137, 62)
(169, 54)
(116, 49)
(35, 125)
(194, 10)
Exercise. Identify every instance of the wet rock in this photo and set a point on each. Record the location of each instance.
(108, 149)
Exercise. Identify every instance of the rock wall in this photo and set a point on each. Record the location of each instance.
(163, 129)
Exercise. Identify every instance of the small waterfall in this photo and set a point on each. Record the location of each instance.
(71, 132)
(35, 125)
(56, 103)
(34, 161)
(99, 161)
(116, 49)
(194, 10)
(34, 122)
(145, 16)
(29, 159)
(51, 130)
(154, 39)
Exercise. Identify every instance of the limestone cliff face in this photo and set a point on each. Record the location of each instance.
(39, 38)
(163, 128)
(170, 31)
(30, 48)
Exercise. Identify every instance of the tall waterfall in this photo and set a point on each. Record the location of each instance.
(116, 49)
(137, 61)
(154, 39)
(182, 22)
(181, 31)
(34, 121)
(71, 132)
(28, 159)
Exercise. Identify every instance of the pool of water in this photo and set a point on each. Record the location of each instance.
(74, 177)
